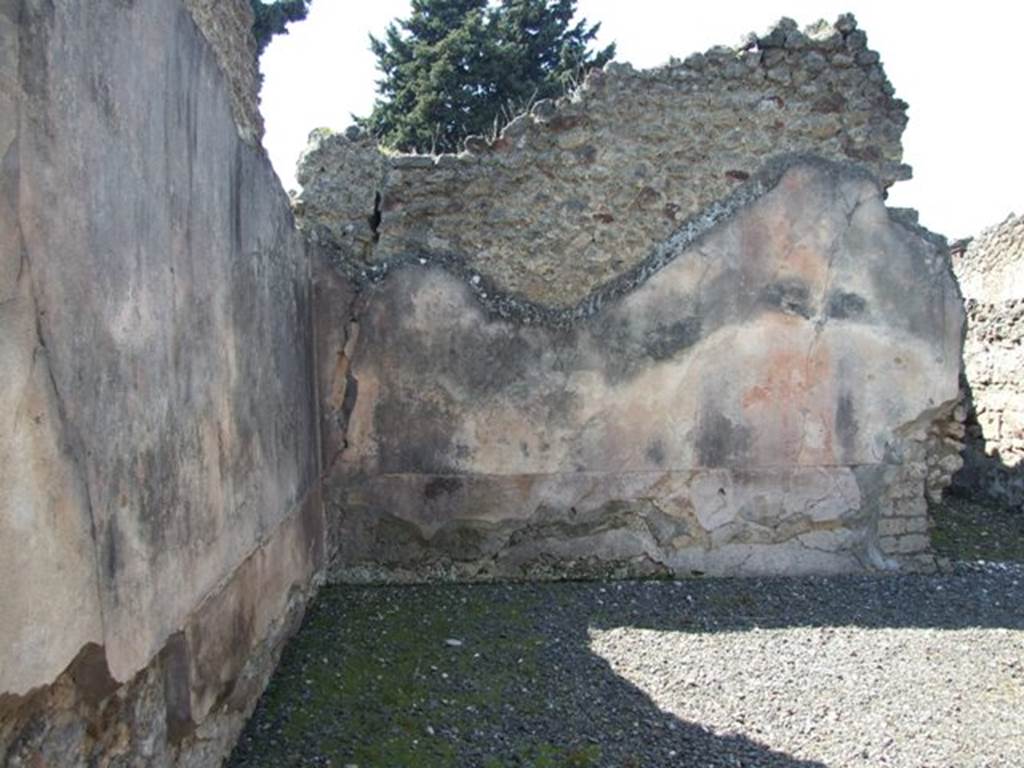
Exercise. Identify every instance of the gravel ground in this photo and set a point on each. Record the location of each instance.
(922, 671)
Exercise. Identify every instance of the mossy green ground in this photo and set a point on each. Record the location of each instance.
(972, 530)
(374, 685)
(496, 676)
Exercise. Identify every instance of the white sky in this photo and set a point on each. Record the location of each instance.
(960, 65)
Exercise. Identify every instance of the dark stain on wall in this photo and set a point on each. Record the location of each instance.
(656, 451)
(665, 341)
(846, 424)
(720, 442)
(791, 297)
(441, 486)
(428, 449)
(844, 305)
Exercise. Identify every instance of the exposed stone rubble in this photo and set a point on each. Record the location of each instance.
(989, 266)
(990, 269)
(931, 448)
(944, 445)
(577, 193)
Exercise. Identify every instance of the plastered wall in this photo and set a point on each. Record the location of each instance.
(160, 521)
(663, 325)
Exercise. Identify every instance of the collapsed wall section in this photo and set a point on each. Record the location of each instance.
(574, 195)
(161, 525)
(666, 325)
(990, 269)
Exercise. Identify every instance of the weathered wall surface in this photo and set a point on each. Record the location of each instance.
(227, 26)
(160, 521)
(574, 195)
(991, 266)
(760, 404)
(991, 275)
(46, 539)
(664, 325)
(598, 344)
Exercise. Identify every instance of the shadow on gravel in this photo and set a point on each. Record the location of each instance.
(504, 675)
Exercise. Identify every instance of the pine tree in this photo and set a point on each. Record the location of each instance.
(455, 68)
(272, 18)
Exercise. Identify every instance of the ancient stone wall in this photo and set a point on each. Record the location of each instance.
(160, 522)
(573, 196)
(665, 325)
(227, 27)
(991, 273)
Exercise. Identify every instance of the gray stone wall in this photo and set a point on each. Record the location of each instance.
(574, 195)
(991, 273)
(664, 325)
(774, 396)
(160, 521)
(990, 267)
(227, 27)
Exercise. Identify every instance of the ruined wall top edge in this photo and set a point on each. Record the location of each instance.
(990, 267)
(575, 194)
(227, 27)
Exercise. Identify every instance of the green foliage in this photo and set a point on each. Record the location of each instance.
(273, 18)
(457, 68)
